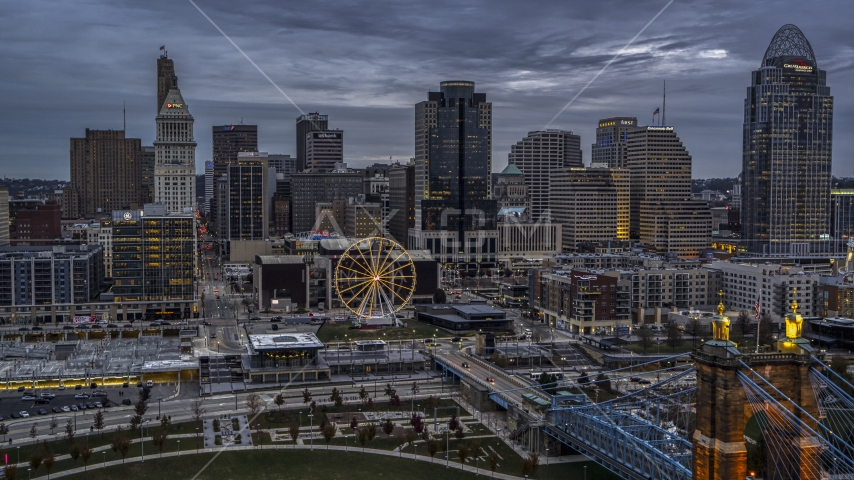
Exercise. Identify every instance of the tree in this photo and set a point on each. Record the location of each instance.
(475, 448)
(363, 437)
(493, 462)
(34, 432)
(440, 296)
(74, 452)
(279, 400)
(253, 404)
(463, 451)
(498, 359)
(388, 427)
(453, 423)
(293, 431)
(124, 446)
(674, 334)
(583, 379)
(116, 441)
(414, 389)
(432, 402)
(363, 394)
(53, 424)
(198, 410)
(336, 397)
(259, 432)
(85, 454)
(416, 422)
(459, 433)
(370, 404)
(645, 335)
(140, 407)
(4, 430)
(159, 439)
(372, 432)
(432, 448)
(145, 395)
(389, 391)
(530, 464)
(394, 401)
(36, 457)
(10, 472)
(603, 382)
(742, 323)
(354, 424)
(306, 396)
(548, 382)
(400, 439)
(98, 421)
(69, 431)
(764, 331)
(135, 422)
(48, 462)
(693, 328)
(410, 437)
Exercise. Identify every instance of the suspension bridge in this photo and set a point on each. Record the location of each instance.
(800, 411)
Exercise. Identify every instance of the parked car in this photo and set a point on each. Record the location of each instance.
(78, 387)
(127, 402)
(98, 405)
(42, 411)
(112, 325)
(41, 401)
(275, 327)
(213, 335)
(81, 406)
(23, 329)
(73, 408)
(37, 329)
(24, 414)
(56, 410)
(93, 385)
(21, 388)
(154, 324)
(83, 327)
(125, 385)
(127, 325)
(81, 395)
(149, 383)
(456, 340)
(66, 409)
(90, 406)
(99, 393)
(28, 398)
(61, 387)
(16, 415)
(47, 395)
(255, 318)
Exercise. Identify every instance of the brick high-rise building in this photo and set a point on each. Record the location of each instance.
(38, 226)
(106, 172)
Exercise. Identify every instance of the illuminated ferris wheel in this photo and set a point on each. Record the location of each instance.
(375, 277)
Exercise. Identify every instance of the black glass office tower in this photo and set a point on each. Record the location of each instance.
(788, 132)
(453, 163)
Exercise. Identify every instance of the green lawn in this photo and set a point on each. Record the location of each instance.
(341, 332)
(321, 464)
(282, 419)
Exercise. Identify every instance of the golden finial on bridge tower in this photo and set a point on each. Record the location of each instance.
(794, 302)
(720, 324)
(721, 307)
(794, 322)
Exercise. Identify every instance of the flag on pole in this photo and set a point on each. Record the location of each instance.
(163, 47)
(757, 309)
(655, 112)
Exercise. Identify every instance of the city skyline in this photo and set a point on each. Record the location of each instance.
(368, 87)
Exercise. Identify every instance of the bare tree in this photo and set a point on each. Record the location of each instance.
(10, 472)
(306, 396)
(328, 433)
(493, 462)
(432, 448)
(293, 430)
(140, 407)
(49, 460)
(34, 432)
(674, 334)
(53, 424)
(253, 404)
(198, 410)
(279, 400)
(463, 452)
(98, 422)
(645, 335)
(363, 437)
(85, 454)
(4, 430)
(74, 452)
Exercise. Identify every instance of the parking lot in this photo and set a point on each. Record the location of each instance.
(109, 396)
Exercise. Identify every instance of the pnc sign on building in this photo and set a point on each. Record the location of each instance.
(799, 66)
(174, 105)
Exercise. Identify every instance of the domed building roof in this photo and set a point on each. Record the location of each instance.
(789, 41)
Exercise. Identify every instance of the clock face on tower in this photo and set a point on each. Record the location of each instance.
(127, 216)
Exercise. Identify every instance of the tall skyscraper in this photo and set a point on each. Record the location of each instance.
(249, 198)
(175, 154)
(455, 214)
(309, 189)
(610, 146)
(323, 149)
(228, 141)
(105, 172)
(309, 122)
(401, 194)
(591, 204)
(165, 72)
(786, 166)
(537, 156)
(662, 213)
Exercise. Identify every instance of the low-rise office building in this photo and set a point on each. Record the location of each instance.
(464, 318)
(284, 358)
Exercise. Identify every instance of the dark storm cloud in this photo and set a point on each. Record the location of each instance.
(70, 65)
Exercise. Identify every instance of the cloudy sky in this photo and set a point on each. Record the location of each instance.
(67, 66)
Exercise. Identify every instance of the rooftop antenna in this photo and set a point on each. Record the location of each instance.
(664, 105)
(241, 120)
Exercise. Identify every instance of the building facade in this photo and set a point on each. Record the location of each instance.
(4, 216)
(154, 256)
(175, 154)
(841, 218)
(453, 164)
(610, 148)
(106, 172)
(323, 149)
(537, 156)
(308, 123)
(592, 205)
(401, 193)
(248, 197)
(511, 190)
(229, 141)
(773, 286)
(788, 140)
(147, 161)
(309, 189)
(40, 225)
(361, 218)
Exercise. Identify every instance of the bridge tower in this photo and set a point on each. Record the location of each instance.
(723, 410)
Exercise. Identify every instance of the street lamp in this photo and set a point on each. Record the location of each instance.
(158, 407)
(105, 459)
(179, 448)
(311, 431)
